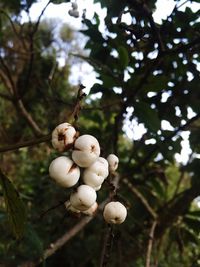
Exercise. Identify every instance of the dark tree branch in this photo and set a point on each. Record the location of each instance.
(33, 142)
(6, 97)
(141, 7)
(11, 23)
(29, 118)
(140, 197)
(39, 18)
(113, 182)
(8, 75)
(65, 238)
(175, 208)
(150, 244)
(31, 47)
(107, 246)
(77, 106)
(18, 102)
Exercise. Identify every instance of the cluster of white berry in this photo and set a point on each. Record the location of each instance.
(74, 11)
(87, 163)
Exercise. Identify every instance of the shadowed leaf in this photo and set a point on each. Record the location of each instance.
(14, 206)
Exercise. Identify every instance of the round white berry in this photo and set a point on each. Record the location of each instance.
(115, 212)
(91, 210)
(74, 5)
(70, 207)
(73, 13)
(113, 162)
(86, 150)
(63, 137)
(100, 163)
(64, 171)
(84, 197)
(97, 188)
(95, 174)
(92, 179)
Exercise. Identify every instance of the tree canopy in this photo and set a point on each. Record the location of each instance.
(147, 74)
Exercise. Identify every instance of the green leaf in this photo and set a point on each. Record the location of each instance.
(147, 115)
(14, 206)
(123, 56)
(188, 236)
(109, 81)
(158, 188)
(193, 223)
(96, 88)
(34, 245)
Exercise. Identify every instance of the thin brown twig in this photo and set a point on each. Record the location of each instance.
(19, 104)
(11, 23)
(107, 246)
(109, 234)
(155, 29)
(31, 46)
(177, 7)
(150, 244)
(12, 147)
(60, 203)
(8, 74)
(140, 197)
(39, 18)
(6, 97)
(43, 138)
(77, 107)
(29, 118)
(66, 237)
(53, 247)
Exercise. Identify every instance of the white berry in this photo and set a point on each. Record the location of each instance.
(95, 174)
(64, 171)
(74, 5)
(91, 210)
(84, 197)
(63, 137)
(115, 212)
(74, 13)
(113, 162)
(97, 188)
(70, 207)
(86, 150)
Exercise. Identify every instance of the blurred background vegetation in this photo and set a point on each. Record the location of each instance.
(148, 74)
